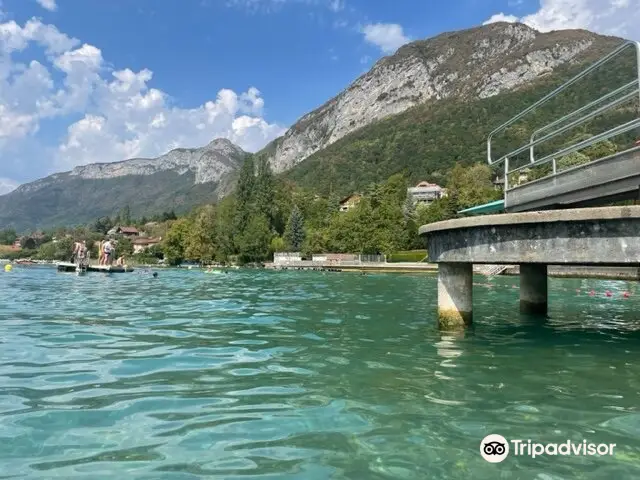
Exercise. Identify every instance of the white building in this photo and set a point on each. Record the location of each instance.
(283, 258)
(425, 193)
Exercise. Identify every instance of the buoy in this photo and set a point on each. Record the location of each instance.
(592, 293)
(608, 293)
(625, 294)
(8, 267)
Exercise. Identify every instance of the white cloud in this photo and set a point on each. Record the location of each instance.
(136, 121)
(386, 36)
(48, 4)
(13, 37)
(608, 17)
(121, 114)
(501, 17)
(7, 185)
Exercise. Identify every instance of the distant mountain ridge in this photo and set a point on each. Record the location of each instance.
(177, 180)
(468, 65)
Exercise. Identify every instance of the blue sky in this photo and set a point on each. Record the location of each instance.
(85, 81)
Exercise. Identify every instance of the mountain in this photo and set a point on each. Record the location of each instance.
(419, 111)
(467, 65)
(177, 180)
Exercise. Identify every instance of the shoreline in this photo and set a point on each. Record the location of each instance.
(557, 271)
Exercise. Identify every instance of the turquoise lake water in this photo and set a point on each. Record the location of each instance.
(304, 375)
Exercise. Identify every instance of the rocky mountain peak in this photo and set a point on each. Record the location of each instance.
(475, 63)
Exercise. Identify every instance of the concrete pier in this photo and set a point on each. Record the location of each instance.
(598, 237)
(455, 295)
(533, 288)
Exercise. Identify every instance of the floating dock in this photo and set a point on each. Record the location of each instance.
(71, 267)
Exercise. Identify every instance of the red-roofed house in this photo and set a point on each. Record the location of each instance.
(126, 231)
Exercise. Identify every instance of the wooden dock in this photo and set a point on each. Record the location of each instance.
(71, 267)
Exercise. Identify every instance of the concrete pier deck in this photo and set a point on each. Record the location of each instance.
(598, 237)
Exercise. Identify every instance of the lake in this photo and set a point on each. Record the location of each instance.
(305, 375)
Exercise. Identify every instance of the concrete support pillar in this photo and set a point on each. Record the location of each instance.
(455, 295)
(533, 288)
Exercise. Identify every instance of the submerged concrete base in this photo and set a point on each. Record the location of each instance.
(533, 289)
(455, 295)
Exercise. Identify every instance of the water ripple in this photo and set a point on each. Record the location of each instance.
(299, 375)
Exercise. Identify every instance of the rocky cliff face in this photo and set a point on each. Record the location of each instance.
(475, 63)
(209, 164)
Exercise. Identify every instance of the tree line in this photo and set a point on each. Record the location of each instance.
(268, 214)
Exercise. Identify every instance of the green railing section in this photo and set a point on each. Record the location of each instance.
(408, 256)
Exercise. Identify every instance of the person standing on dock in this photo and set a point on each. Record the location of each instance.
(101, 252)
(80, 252)
(107, 250)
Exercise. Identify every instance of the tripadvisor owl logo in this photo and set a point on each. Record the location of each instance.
(494, 448)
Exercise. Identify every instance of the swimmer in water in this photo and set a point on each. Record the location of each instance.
(155, 274)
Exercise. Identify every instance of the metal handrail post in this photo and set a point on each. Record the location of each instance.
(557, 91)
(637, 45)
(620, 129)
(576, 112)
(569, 126)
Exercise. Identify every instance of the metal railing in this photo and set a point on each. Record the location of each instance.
(571, 120)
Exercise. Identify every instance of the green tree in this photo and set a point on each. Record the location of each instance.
(316, 241)
(155, 251)
(102, 225)
(174, 243)
(125, 215)
(255, 240)
(166, 216)
(294, 232)
(409, 209)
(224, 229)
(470, 186)
(278, 244)
(7, 237)
(56, 250)
(201, 239)
(124, 246)
(264, 190)
(245, 194)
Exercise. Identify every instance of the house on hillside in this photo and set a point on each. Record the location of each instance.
(425, 193)
(349, 202)
(126, 231)
(141, 244)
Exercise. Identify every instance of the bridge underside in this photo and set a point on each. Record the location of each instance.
(607, 180)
